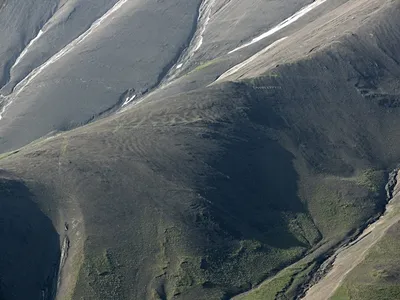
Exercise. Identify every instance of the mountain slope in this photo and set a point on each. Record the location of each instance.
(93, 61)
(202, 192)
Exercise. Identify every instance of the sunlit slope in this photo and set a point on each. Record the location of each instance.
(80, 62)
(377, 276)
(159, 196)
(204, 194)
(65, 63)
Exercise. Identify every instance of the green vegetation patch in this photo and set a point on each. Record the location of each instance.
(238, 263)
(98, 277)
(282, 286)
(371, 179)
(204, 65)
(342, 204)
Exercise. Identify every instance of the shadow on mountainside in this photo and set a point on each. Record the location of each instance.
(254, 189)
(29, 261)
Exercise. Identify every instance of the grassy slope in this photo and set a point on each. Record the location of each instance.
(347, 138)
(181, 212)
(377, 277)
(207, 193)
(284, 284)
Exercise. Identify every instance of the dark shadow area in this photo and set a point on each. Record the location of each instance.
(30, 250)
(254, 189)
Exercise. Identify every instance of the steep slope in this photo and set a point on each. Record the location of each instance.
(204, 194)
(108, 53)
(377, 276)
(30, 248)
(350, 256)
(85, 59)
(159, 181)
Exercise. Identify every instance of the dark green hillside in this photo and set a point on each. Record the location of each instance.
(204, 194)
(206, 190)
(178, 199)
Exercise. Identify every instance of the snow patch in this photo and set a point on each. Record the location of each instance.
(205, 13)
(128, 100)
(20, 87)
(6, 103)
(236, 68)
(203, 20)
(64, 51)
(283, 24)
(30, 44)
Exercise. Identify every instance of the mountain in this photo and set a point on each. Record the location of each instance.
(204, 150)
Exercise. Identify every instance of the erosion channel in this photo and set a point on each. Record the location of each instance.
(347, 257)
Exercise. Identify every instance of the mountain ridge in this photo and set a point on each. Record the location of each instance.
(202, 192)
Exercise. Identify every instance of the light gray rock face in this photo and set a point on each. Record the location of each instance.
(65, 62)
(69, 62)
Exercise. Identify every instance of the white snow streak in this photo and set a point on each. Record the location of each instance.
(202, 20)
(68, 48)
(20, 87)
(205, 12)
(125, 108)
(128, 100)
(249, 60)
(7, 104)
(283, 24)
(25, 51)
